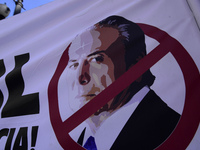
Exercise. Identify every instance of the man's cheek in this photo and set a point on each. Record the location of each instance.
(72, 80)
(103, 81)
(96, 66)
(72, 85)
(96, 79)
(105, 78)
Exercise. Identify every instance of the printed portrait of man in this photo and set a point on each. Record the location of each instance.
(136, 118)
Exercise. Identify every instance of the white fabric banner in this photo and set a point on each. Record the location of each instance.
(31, 46)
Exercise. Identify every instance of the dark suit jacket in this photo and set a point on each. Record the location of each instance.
(149, 125)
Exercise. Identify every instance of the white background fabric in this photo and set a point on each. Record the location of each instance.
(46, 31)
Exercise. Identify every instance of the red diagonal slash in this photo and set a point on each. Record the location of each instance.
(167, 44)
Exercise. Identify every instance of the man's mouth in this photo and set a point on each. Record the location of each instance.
(91, 95)
(88, 96)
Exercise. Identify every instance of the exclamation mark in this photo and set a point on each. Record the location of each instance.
(34, 136)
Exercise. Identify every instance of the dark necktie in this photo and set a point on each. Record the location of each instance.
(90, 144)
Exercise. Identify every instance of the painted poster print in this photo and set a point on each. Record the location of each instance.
(136, 117)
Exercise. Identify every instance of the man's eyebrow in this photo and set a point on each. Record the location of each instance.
(97, 52)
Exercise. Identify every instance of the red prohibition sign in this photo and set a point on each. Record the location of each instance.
(189, 121)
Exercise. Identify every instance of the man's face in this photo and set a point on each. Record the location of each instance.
(90, 70)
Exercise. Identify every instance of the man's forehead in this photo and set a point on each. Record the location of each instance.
(85, 42)
(92, 40)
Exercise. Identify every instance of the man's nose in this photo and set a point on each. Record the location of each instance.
(84, 77)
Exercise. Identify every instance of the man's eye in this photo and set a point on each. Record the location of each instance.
(73, 66)
(98, 59)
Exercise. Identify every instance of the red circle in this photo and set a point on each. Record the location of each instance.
(189, 121)
(180, 138)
